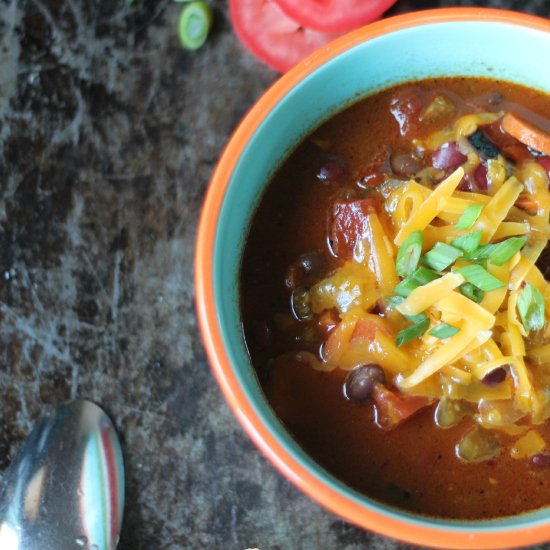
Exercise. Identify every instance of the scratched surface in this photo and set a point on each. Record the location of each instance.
(108, 135)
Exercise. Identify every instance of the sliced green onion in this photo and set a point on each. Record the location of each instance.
(194, 24)
(482, 263)
(406, 286)
(394, 301)
(412, 332)
(472, 292)
(443, 330)
(469, 242)
(480, 277)
(441, 256)
(504, 250)
(531, 308)
(469, 216)
(418, 318)
(481, 252)
(409, 254)
(424, 275)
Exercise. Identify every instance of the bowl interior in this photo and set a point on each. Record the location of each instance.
(460, 48)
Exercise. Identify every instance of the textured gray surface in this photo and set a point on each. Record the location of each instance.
(108, 135)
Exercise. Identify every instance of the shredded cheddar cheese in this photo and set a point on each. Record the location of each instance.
(459, 318)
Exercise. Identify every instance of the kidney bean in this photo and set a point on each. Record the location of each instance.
(480, 177)
(448, 157)
(466, 184)
(495, 377)
(545, 163)
(405, 164)
(360, 382)
(378, 309)
(332, 171)
(542, 460)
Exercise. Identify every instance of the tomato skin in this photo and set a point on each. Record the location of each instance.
(273, 37)
(334, 15)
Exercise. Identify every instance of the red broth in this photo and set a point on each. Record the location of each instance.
(413, 466)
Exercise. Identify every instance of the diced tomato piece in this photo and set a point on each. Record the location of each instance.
(367, 328)
(272, 36)
(349, 224)
(334, 15)
(392, 408)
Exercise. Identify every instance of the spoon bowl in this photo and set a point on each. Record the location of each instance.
(65, 487)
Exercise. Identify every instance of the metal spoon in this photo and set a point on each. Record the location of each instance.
(65, 488)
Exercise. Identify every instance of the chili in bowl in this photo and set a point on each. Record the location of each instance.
(371, 277)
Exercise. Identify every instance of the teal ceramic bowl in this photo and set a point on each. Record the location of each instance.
(452, 42)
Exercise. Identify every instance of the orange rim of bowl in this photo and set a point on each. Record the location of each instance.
(410, 531)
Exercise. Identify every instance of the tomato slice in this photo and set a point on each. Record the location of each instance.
(334, 15)
(272, 36)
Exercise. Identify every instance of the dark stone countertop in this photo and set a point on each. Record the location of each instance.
(108, 135)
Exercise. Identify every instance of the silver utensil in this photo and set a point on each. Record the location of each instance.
(65, 488)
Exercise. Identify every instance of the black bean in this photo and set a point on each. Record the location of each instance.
(360, 382)
(494, 377)
(542, 460)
